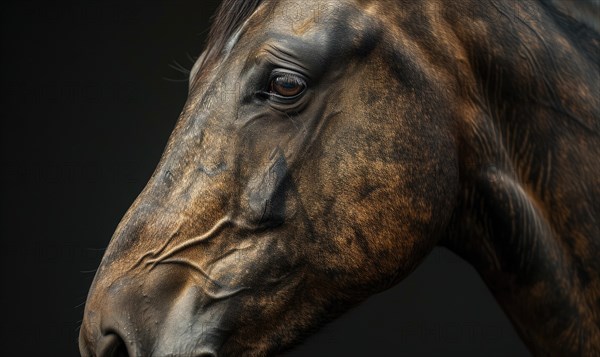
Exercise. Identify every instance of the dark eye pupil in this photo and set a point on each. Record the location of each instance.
(287, 85)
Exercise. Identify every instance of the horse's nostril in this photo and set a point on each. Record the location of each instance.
(112, 345)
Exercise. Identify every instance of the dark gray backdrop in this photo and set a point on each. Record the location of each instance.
(86, 113)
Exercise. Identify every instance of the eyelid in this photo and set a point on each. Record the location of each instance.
(279, 56)
(284, 72)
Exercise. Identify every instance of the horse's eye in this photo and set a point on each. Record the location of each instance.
(287, 85)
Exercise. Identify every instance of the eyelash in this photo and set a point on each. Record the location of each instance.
(298, 79)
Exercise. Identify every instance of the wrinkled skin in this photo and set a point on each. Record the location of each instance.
(266, 217)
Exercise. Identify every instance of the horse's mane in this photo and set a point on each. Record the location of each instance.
(230, 15)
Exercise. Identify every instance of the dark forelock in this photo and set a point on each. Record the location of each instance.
(230, 15)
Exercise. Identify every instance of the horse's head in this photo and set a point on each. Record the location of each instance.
(312, 166)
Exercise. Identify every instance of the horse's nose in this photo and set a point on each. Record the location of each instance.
(159, 314)
(112, 345)
(108, 345)
(102, 342)
(111, 323)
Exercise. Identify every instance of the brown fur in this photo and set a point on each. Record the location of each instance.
(472, 124)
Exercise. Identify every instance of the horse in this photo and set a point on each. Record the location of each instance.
(327, 147)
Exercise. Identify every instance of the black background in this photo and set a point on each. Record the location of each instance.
(87, 110)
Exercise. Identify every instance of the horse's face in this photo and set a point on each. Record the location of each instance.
(311, 167)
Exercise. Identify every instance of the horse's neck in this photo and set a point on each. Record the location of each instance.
(545, 278)
(528, 215)
(585, 11)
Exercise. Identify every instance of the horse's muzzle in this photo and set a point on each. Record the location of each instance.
(112, 345)
(158, 315)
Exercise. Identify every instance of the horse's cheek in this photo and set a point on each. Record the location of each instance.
(376, 209)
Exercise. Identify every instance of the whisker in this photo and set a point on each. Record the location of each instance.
(191, 58)
(79, 305)
(174, 80)
(96, 249)
(88, 271)
(292, 120)
(179, 68)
